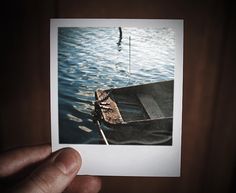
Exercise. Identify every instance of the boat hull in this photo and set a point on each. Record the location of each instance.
(141, 114)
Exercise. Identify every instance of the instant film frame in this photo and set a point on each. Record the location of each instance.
(123, 160)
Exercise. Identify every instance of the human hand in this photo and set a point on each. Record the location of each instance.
(37, 170)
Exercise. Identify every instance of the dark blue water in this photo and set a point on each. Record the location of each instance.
(90, 58)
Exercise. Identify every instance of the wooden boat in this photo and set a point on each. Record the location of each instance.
(135, 111)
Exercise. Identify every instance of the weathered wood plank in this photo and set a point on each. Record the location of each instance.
(150, 105)
(109, 109)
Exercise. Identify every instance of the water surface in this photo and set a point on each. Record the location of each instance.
(92, 58)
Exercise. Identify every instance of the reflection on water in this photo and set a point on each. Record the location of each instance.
(120, 39)
(92, 58)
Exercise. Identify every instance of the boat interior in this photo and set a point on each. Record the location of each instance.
(144, 102)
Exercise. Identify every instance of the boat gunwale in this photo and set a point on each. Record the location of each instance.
(132, 88)
(129, 123)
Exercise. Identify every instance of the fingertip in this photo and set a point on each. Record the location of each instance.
(55, 173)
(85, 184)
(94, 183)
(68, 160)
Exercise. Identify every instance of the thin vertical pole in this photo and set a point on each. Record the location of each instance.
(103, 135)
(129, 54)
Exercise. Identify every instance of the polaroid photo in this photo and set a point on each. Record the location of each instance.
(116, 94)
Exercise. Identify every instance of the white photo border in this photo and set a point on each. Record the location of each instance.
(123, 160)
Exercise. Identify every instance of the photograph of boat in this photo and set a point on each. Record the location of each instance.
(115, 85)
(130, 110)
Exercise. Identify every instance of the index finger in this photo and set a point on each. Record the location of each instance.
(15, 160)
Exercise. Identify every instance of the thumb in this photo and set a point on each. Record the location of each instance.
(55, 174)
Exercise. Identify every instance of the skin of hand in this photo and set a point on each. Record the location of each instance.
(36, 170)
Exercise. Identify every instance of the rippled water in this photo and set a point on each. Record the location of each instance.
(91, 58)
